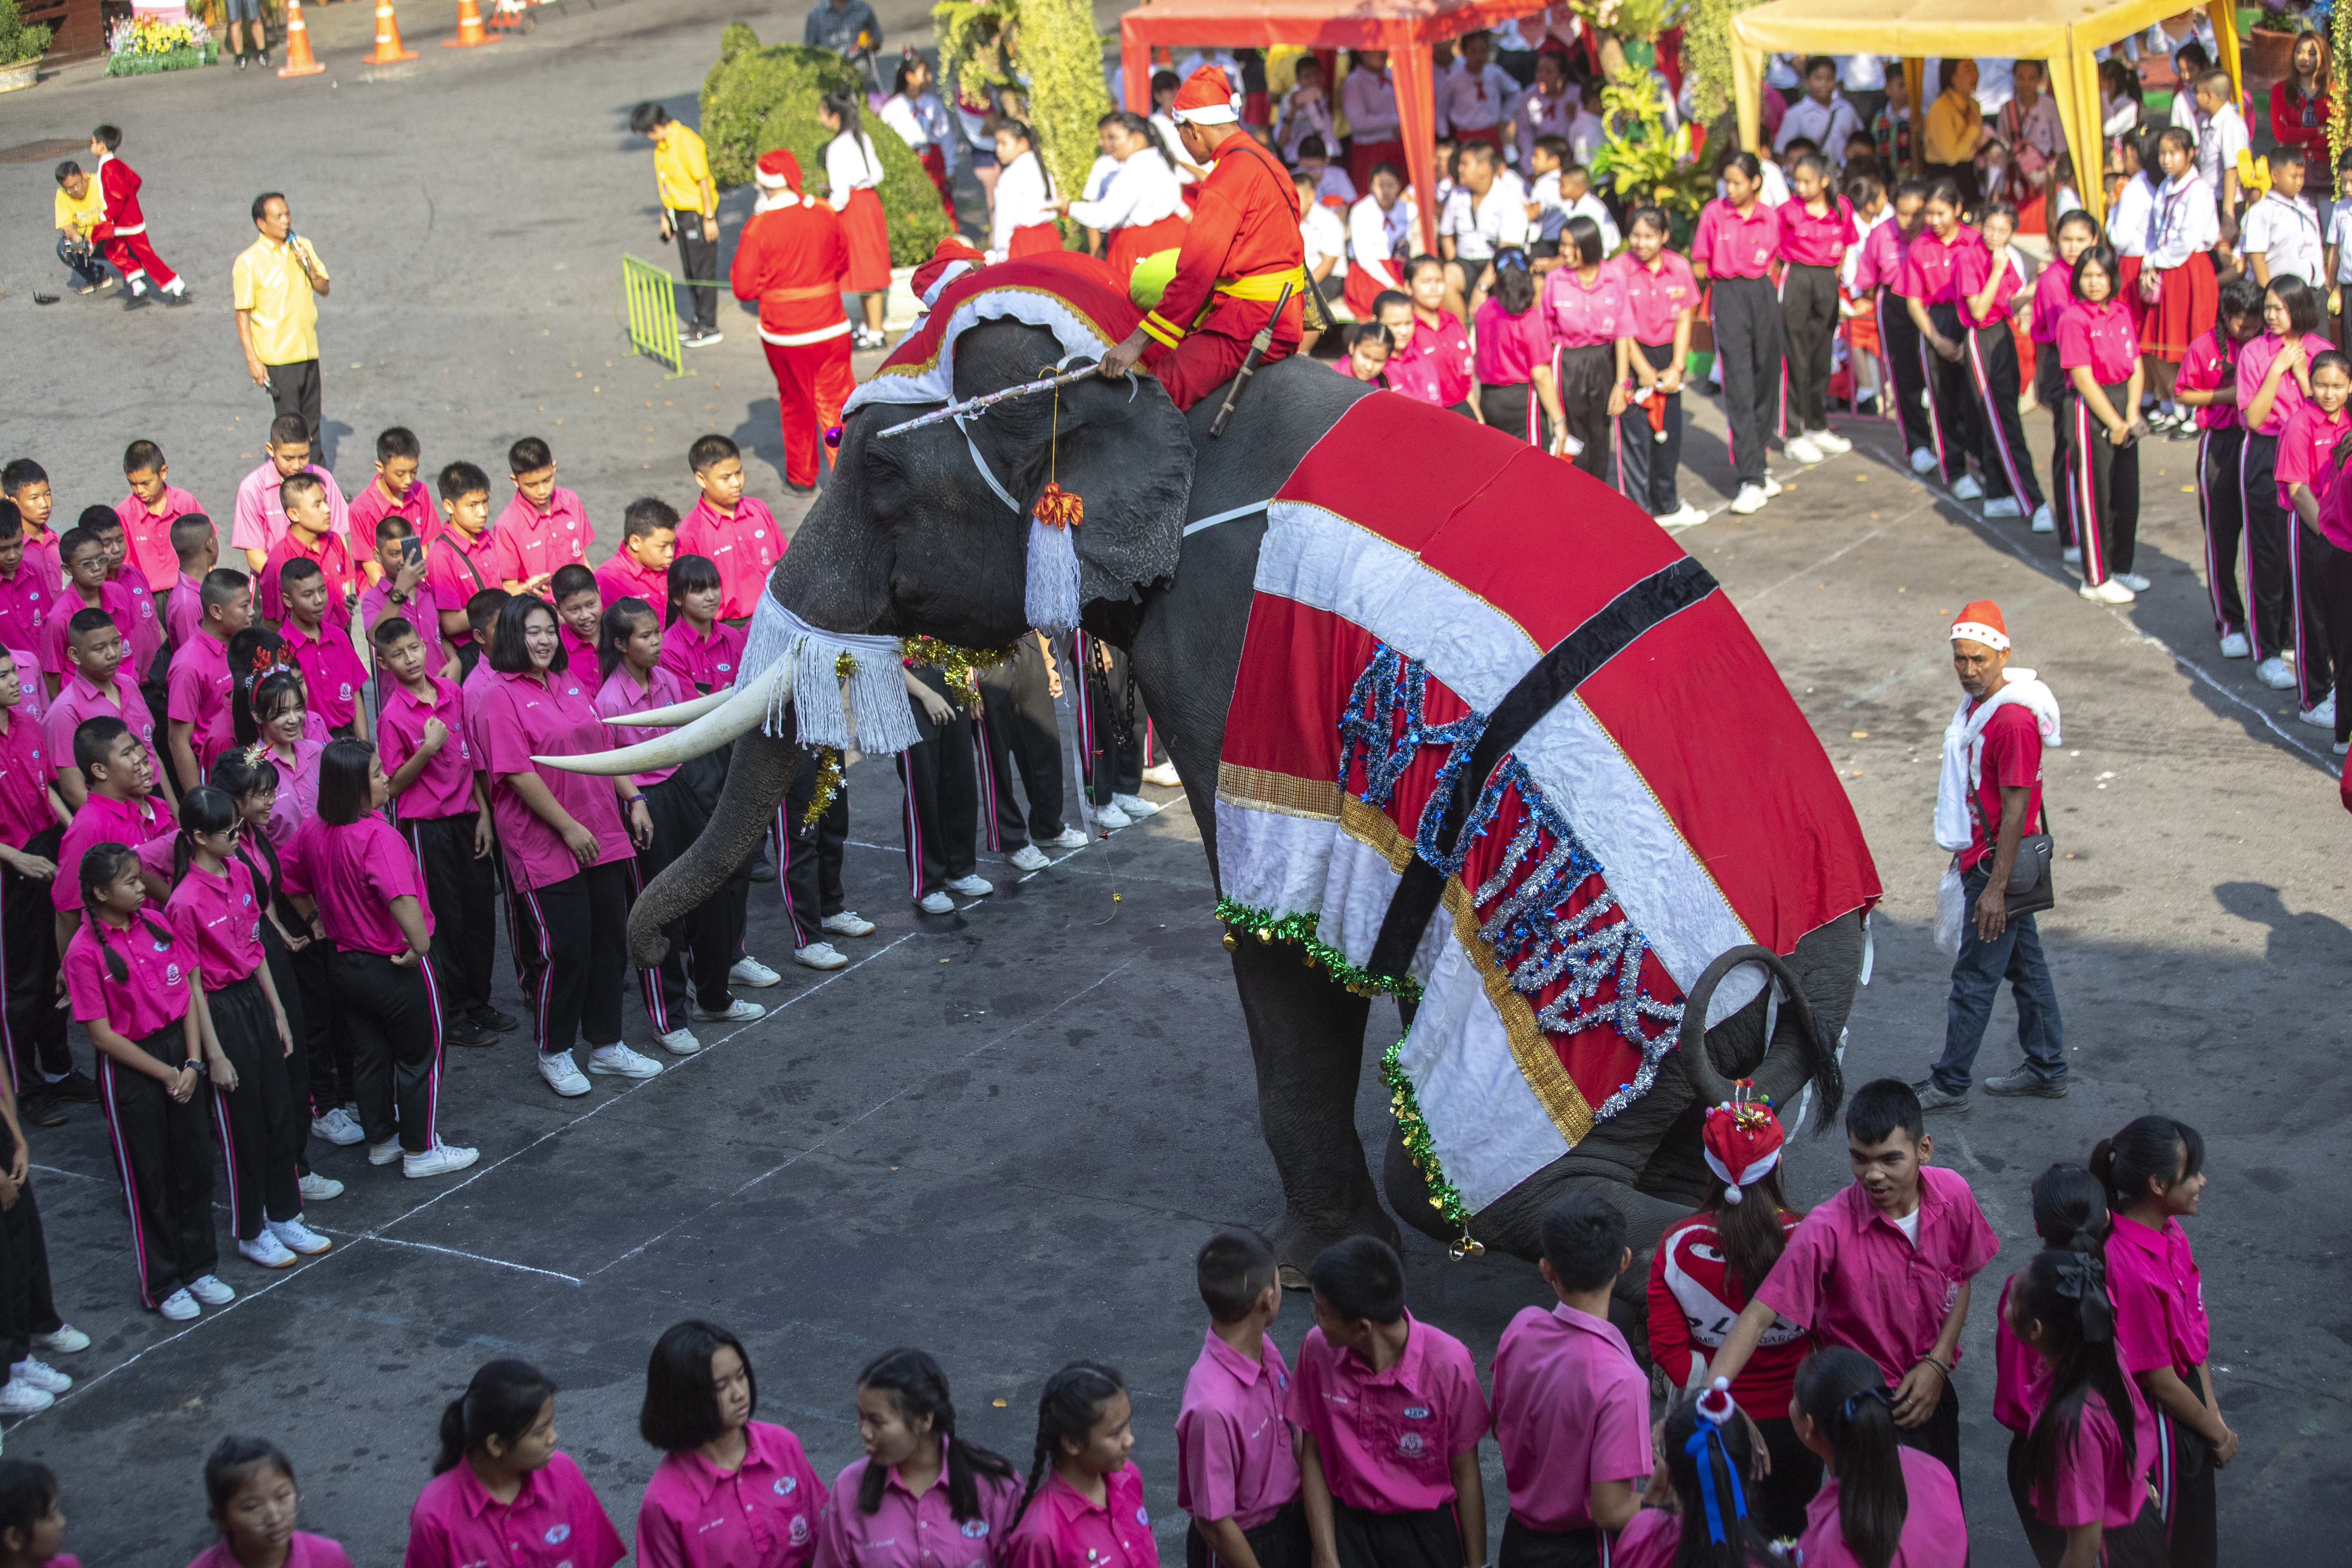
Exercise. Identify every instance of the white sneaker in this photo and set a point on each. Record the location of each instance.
(2072, 556)
(298, 1238)
(337, 1128)
(1164, 775)
(384, 1153)
(679, 1042)
(974, 887)
(211, 1289)
(179, 1307)
(2134, 581)
(2322, 717)
(1803, 449)
(1966, 487)
(1683, 516)
(1772, 485)
(2005, 506)
(63, 1339)
(2110, 592)
(22, 1399)
(1923, 461)
(2276, 673)
(1829, 441)
(563, 1074)
(268, 1251)
(2043, 522)
(2342, 748)
(848, 922)
(749, 970)
(2235, 646)
(936, 904)
(317, 1189)
(819, 956)
(41, 1375)
(1135, 805)
(1111, 818)
(440, 1159)
(1750, 498)
(1068, 838)
(1028, 857)
(619, 1060)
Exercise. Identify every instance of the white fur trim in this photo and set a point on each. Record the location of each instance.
(953, 270)
(794, 340)
(1215, 115)
(936, 382)
(768, 182)
(1977, 631)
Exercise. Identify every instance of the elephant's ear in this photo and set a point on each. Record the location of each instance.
(1124, 450)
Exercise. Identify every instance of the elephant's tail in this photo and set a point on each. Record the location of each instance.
(1822, 1070)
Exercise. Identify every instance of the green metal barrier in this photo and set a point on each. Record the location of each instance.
(650, 295)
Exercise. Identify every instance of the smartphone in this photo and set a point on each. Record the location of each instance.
(412, 551)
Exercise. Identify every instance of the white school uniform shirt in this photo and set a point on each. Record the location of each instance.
(2038, 126)
(1476, 100)
(1308, 119)
(1372, 240)
(920, 121)
(1862, 73)
(1164, 126)
(1142, 189)
(1825, 127)
(1541, 116)
(1585, 137)
(1550, 211)
(2339, 236)
(1863, 229)
(1780, 72)
(2120, 116)
(1776, 184)
(2218, 148)
(851, 164)
(2287, 234)
(1495, 220)
(1323, 233)
(1368, 98)
(1589, 205)
(2128, 219)
(1098, 175)
(1022, 201)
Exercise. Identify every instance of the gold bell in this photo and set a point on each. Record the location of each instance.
(1230, 943)
(1265, 935)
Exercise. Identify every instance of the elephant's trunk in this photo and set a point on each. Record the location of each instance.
(760, 771)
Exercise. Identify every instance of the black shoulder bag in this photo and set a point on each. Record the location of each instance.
(2029, 890)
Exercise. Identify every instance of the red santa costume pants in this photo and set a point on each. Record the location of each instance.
(1211, 351)
(135, 258)
(813, 381)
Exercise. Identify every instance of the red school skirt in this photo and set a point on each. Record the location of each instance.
(1034, 240)
(865, 235)
(2187, 308)
(1133, 242)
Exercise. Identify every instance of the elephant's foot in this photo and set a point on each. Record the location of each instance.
(1299, 1235)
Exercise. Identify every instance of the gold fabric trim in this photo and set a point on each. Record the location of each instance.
(1372, 827)
(1285, 795)
(1539, 1063)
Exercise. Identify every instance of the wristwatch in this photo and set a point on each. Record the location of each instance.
(196, 1066)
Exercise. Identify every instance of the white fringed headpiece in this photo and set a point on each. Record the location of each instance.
(868, 708)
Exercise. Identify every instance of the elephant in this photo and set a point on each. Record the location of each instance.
(905, 541)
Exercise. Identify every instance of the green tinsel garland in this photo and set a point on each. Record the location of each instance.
(1269, 927)
(1414, 1132)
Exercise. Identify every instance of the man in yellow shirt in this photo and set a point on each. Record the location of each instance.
(80, 207)
(690, 209)
(276, 284)
(1955, 130)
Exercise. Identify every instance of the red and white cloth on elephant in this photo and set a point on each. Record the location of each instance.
(1671, 805)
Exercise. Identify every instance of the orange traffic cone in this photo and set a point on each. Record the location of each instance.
(469, 28)
(297, 43)
(388, 51)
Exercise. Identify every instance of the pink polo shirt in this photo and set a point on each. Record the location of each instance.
(1446, 349)
(354, 871)
(517, 719)
(116, 601)
(1652, 1540)
(1581, 315)
(104, 820)
(2306, 452)
(304, 1551)
(2206, 366)
(1656, 295)
(1571, 1408)
(1063, 1530)
(297, 789)
(622, 694)
(744, 547)
(1931, 268)
(2099, 1479)
(196, 692)
(2255, 362)
(1233, 1458)
(1976, 266)
(78, 702)
(445, 786)
(1386, 1440)
(1852, 1275)
(218, 918)
(1880, 264)
(41, 551)
(2053, 291)
(704, 663)
(763, 1514)
(259, 520)
(423, 611)
(149, 534)
(372, 506)
(2020, 1379)
(622, 578)
(335, 560)
(25, 775)
(1510, 347)
(1730, 246)
(25, 599)
(2159, 1299)
(330, 669)
(183, 616)
(154, 994)
(1935, 1531)
(2101, 336)
(578, 653)
(456, 570)
(1810, 239)
(527, 543)
(1414, 376)
(555, 1521)
(907, 1532)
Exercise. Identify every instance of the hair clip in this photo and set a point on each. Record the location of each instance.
(1860, 1397)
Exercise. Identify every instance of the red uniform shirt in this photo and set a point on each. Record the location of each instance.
(184, 615)
(1934, 1532)
(2011, 756)
(2053, 292)
(330, 669)
(908, 1531)
(790, 257)
(150, 535)
(334, 561)
(1444, 349)
(2101, 336)
(422, 610)
(744, 548)
(1931, 268)
(2101, 1479)
(1693, 1300)
(2255, 362)
(1656, 295)
(765, 1511)
(217, 919)
(79, 701)
(2159, 1299)
(2210, 362)
(1810, 239)
(372, 506)
(445, 786)
(1976, 266)
(526, 543)
(26, 601)
(154, 993)
(196, 692)
(1510, 347)
(1880, 266)
(1730, 246)
(115, 599)
(622, 694)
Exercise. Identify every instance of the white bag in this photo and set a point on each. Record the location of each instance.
(1951, 910)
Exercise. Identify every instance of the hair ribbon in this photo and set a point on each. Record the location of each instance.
(1716, 1409)
(2083, 1280)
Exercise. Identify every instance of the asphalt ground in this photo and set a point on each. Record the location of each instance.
(1000, 1135)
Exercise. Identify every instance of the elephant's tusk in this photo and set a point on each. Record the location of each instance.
(745, 707)
(675, 714)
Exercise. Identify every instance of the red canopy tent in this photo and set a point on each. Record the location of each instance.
(1404, 28)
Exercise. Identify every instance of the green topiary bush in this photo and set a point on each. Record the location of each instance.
(755, 99)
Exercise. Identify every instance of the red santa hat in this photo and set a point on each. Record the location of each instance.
(950, 262)
(1980, 622)
(1206, 98)
(1741, 1139)
(778, 170)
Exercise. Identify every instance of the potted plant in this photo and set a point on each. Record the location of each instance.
(21, 47)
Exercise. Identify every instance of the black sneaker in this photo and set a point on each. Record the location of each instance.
(465, 1032)
(242, 62)
(490, 1017)
(76, 1086)
(2026, 1082)
(264, 58)
(42, 1110)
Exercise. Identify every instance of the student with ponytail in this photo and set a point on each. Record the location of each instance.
(1884, 1504)
(2154, 1171)
(1083, 1505)
(2088, 1454)
(2070, 1215)
(1700, 1512)
(499, 1479)
(133, 987)
(921, 1497)
(730, 1493)
(215, 915)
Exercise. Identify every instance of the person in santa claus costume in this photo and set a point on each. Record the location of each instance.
(123, 232)
(792, 258)
(1241, 246)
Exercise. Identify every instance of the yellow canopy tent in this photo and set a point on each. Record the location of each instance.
(2063, 32)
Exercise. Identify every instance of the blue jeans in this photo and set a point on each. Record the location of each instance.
(2014, 955)
(83, 261)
